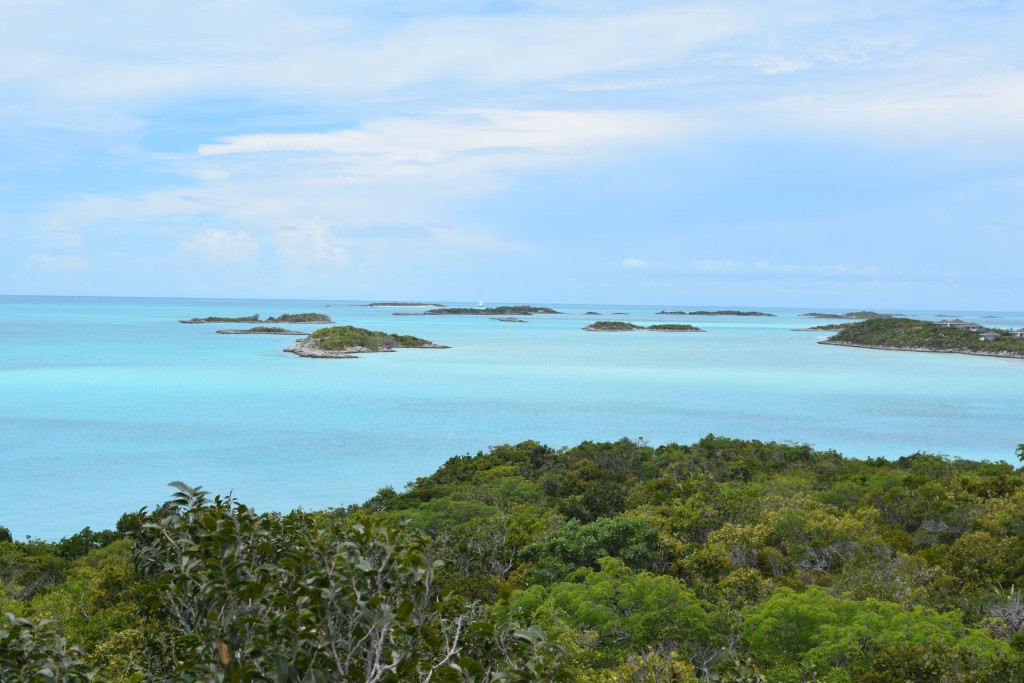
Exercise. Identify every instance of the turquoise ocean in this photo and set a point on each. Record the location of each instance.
(103, 401)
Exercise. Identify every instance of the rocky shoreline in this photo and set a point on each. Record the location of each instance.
(916, 349)
(308, 348)
(264, 330)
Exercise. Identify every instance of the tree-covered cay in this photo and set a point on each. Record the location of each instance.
(294, 318)
(921, 335)
(619, 326)
(345, 340)
(496, 310)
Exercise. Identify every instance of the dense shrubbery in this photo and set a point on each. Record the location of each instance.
(725, 560)
(300, 318)
(346, 337)
(496, 310)
(904, 333)
(617, 326)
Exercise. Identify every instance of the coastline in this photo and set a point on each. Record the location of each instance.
(962, 352)
(305, 349)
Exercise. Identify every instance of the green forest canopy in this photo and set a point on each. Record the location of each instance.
(722, 560)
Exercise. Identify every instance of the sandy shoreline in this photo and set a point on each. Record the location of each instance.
(962, 352)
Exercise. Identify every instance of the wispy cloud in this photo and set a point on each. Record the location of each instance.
(222, 246)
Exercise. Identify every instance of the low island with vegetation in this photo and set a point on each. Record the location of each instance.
(724, 313)
(724, 560)
(290, 318)
(345, 341)
(904, 334)
(854, 315)
(619, 326)
(493, 311)
(830, 327)
(262, 329)
(400, 304)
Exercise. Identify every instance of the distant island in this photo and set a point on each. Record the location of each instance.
(904, 334)
(262, 329)
(510, 319)
(591, 313)
(344, 341)
(742, 313)
(856, 315)
(497, 310)
(824, 328)
(616, 326)
(293, 318)
(401, 304)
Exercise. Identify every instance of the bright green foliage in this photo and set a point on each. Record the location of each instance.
(36, 653)
(633, 540)
(722, 560)
(833, 631)
(245, 597)
(631, 611)
(347, 337)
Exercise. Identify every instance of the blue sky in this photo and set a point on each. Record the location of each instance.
(792, 153)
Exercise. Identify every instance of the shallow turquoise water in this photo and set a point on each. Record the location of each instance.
(104, 401)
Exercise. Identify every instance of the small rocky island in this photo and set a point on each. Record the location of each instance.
(591, 313)
(904, 334)
(345, 341)
(509, 319)
(734, 313)
(856, 315)
(617, 326)
(289, 318)
(831, 327)
(495, 311)
(263, 329)
(400, 304)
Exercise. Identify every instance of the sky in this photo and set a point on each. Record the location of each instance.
(867, 153)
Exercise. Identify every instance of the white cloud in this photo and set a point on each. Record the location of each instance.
(59, 239)
(435, 139)
(56, 263)
(309, 246)
(767, 267)
(634, 263)
(222, 246)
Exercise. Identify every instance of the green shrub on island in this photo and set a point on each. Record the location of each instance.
(907, 334)
(721, 560)
(497, 310)
(856, 315)
(283, 318)
(831, 327)
(612, 326)
(261, 329)
(219, 319)
(673, 328)
(300, 318)
(619, 326)
(403, 304)
(723, 313)
(347, 337)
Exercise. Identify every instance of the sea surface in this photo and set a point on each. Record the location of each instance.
(103, 401)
